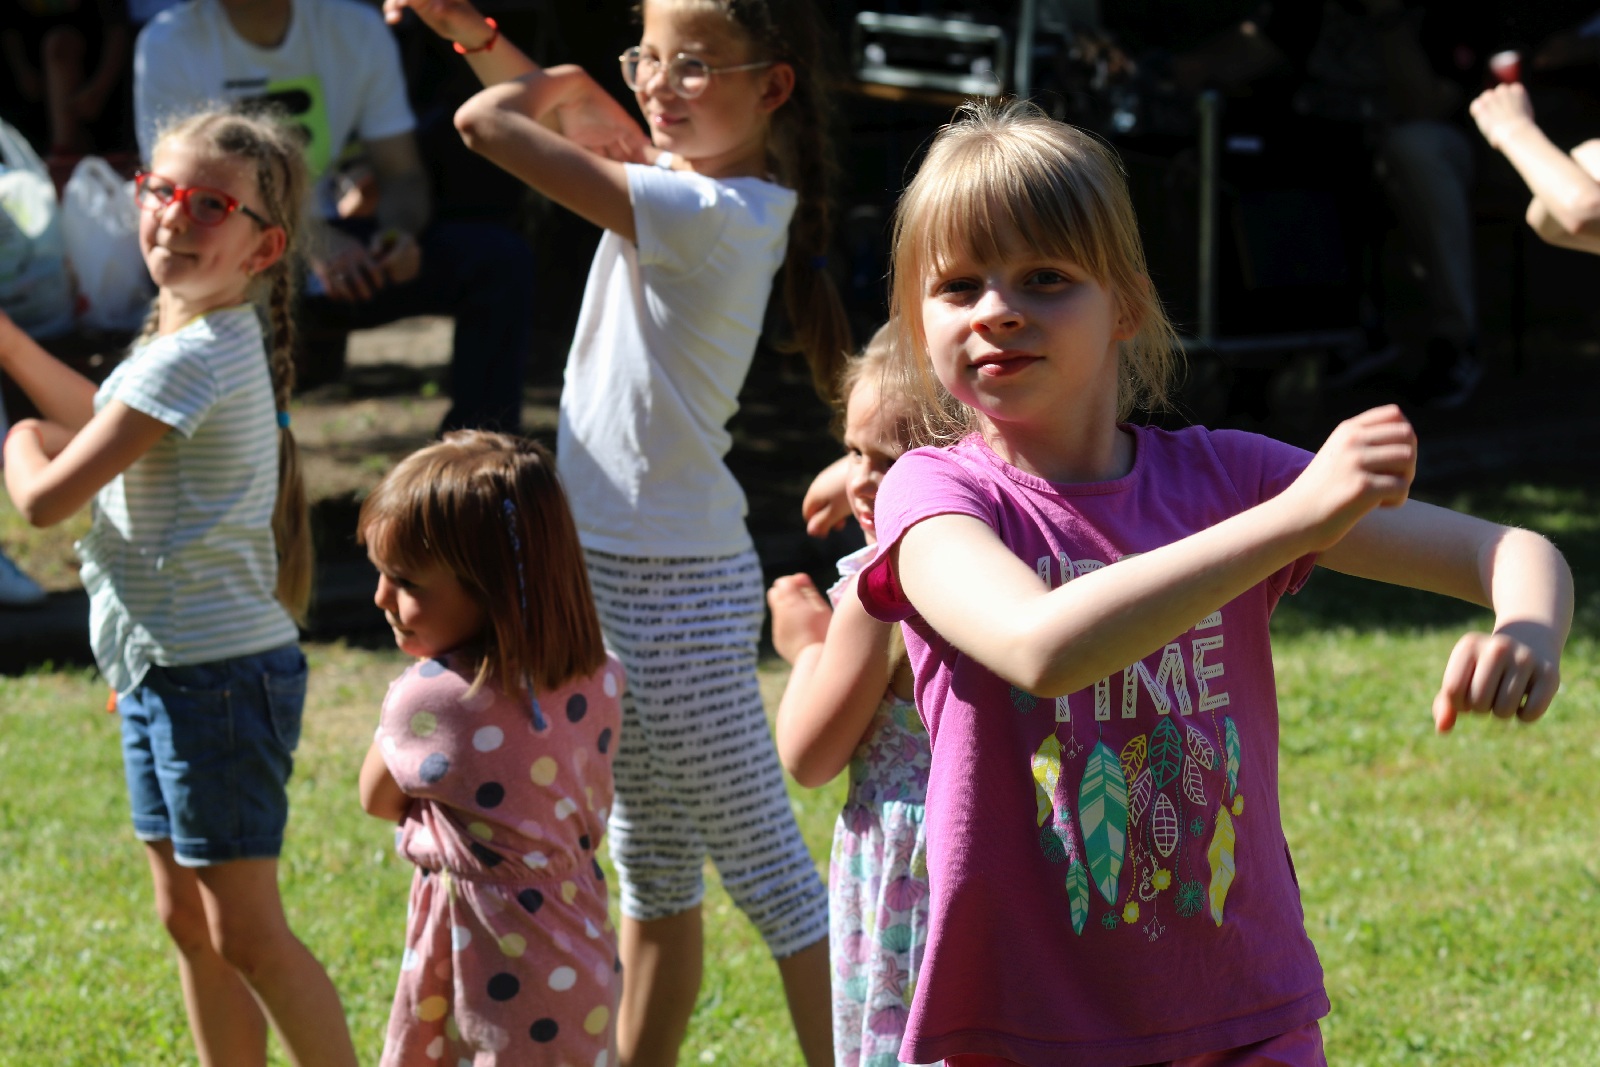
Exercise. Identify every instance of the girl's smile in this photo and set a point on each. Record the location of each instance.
(722, 130)
(428, 608)
(873, 444)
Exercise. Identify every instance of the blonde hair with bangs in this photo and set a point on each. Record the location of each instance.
(997, 170)
(490, 509)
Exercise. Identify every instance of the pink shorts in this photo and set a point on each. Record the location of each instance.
(1301, 1047)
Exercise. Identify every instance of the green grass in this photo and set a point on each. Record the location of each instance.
(1452, 884)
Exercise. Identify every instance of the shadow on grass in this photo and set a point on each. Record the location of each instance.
(1564, 505)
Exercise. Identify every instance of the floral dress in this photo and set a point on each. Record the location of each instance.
(878, 879)
(510, 954)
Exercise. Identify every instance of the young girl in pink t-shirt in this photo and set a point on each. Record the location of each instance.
(1085, 605)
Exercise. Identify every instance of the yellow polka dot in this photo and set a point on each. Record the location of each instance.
(432, 1009)
(423, 724)
(544, 771)
(513, 945)
(596, 1020)
(481, 831)
(1238, 804)
(569, 891)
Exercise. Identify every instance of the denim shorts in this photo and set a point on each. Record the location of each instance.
(208, 750)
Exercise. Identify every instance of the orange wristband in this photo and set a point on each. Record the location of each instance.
(487, 46)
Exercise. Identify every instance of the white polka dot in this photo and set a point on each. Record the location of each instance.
(565, 807)
(536, 860)
(435, 1048)
(611, 684)
(488, 739)
(563, 978)
(602, 1060)
(590, 929)
(460, 937)
(388, 745)
(409, 959)
(493, 1038)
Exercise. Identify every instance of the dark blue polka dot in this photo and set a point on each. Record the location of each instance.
(599, 871)
(431, 668)
(531, 900)
(605, 740)
(503, 986)
(616, 965)
(544, 1031)
(435, 767)
(583, 842)
(486, 856)
(490, 794)
(577, 707)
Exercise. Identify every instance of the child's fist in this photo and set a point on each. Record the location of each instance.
(800, 615)
(1367, 462)
(1504, 673)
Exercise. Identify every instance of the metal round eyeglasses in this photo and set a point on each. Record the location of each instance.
(203, 205)
(687, 76)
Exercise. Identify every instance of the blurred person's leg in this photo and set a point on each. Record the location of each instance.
(1427, 170)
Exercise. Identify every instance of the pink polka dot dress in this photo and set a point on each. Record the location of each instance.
(510, 954)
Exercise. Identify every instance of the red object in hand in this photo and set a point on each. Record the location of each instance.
(1506, 66)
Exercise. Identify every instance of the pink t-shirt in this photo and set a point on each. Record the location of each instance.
(1110, 880)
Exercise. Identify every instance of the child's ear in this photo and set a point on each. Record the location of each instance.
(269, 248)
(776, 87)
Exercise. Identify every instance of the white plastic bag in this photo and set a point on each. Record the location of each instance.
(34, 287)
(100, 223)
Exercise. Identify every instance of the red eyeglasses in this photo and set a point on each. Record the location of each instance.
(207, 207)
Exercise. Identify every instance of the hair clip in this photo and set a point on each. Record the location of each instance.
(508, 507)
(283, 419)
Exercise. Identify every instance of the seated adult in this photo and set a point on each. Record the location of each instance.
(333, 68)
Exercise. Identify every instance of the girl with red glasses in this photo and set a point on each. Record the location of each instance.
(198, 566)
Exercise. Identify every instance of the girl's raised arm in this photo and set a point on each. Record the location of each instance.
(984, 600)
(1515, 669)
(836, 684)
(555, 128)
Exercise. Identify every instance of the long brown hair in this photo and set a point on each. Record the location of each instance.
(490, 509)
(270, 147)
(800, 155)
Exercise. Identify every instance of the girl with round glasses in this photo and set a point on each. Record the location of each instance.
(727, 188)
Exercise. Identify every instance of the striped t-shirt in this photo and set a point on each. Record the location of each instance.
(180, 562)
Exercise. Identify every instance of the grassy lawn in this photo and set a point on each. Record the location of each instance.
(1451, 884)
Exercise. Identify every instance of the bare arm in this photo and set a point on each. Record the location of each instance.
(60, 393)
(48, 488)
(1515, 669)
(1566, 197)
(840, 676)
(1052, 642)
(576, 163)
(381, 796)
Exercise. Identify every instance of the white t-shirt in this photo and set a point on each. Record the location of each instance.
(665, 338)
(337, 74)
(180, 563)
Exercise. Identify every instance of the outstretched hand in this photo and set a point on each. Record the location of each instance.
(1514, 671)
(1367, 462)
(448, 18)
(800, 615)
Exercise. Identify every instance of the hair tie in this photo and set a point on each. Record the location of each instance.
(819, 262)
(283, 419)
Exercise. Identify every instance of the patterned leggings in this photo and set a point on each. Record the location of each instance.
(696, 771)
